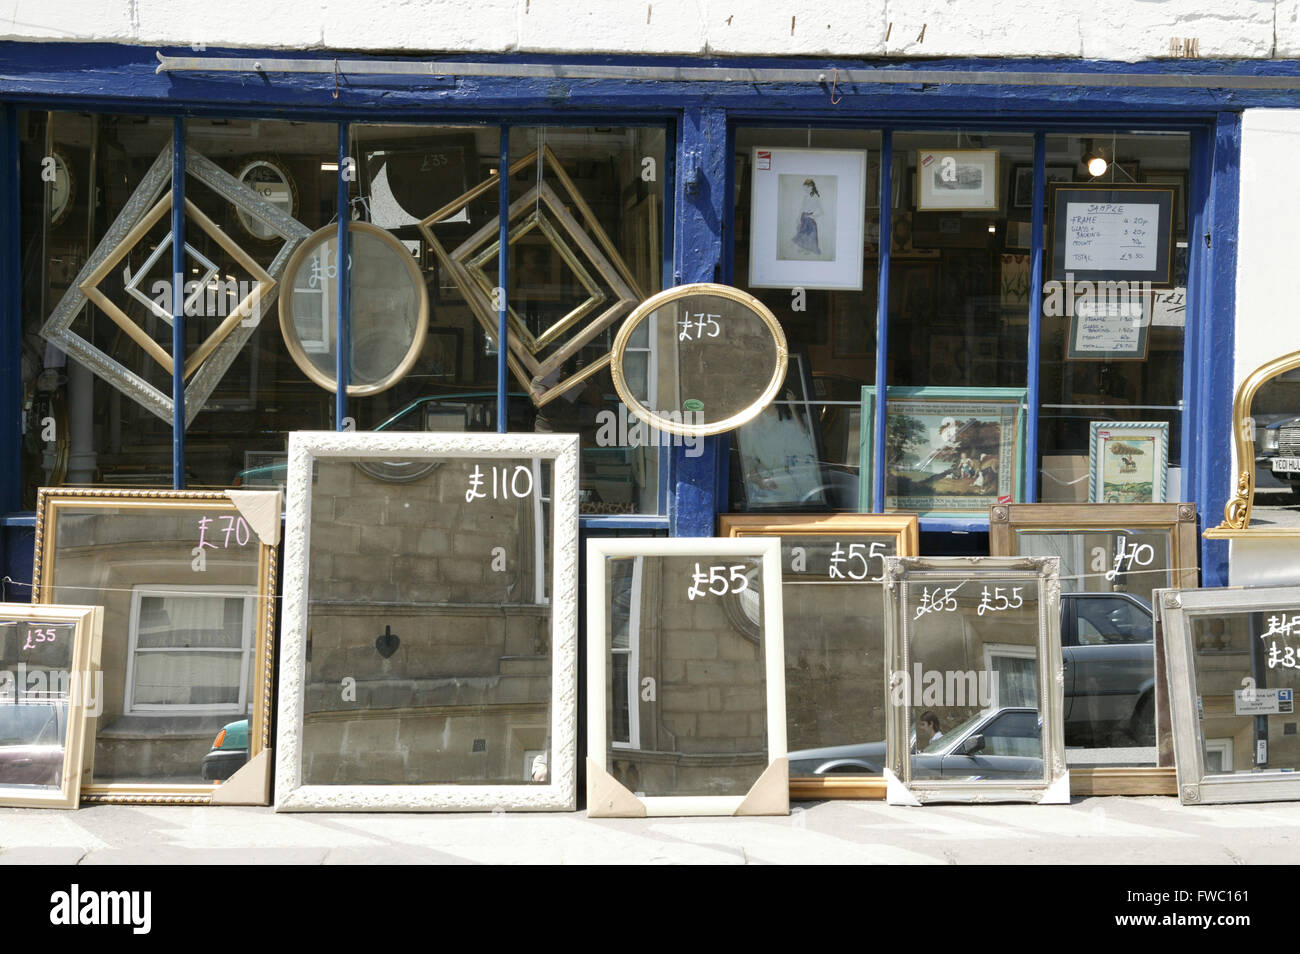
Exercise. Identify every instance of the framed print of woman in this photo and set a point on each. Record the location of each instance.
(805, 238)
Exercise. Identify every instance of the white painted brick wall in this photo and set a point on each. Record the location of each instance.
(1094, 29)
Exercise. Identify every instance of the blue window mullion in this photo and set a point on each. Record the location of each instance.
(503, 273)
(1032, 384)
(11, 312)
(882, 322)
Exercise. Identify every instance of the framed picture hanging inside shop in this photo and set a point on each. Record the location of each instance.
(1111, 232)
(1022, 182)
(187, 582)
(1234, 670)
(953, 179)
(781, 450)
(975, 697)
(948, 451)
(1128, 462)
(430, 628)
(50, 689)
(833, 605)
(685, 677)
(807, 215)
(1112, 327)
(1113, 559)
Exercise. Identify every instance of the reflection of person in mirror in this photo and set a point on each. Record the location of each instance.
(929, 725)
(539, 767)
(805, 237)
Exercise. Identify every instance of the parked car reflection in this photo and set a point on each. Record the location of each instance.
(32, 738)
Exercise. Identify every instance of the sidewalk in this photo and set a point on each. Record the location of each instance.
(1145, 830)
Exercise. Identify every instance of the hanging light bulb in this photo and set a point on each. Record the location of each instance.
(1097, 165)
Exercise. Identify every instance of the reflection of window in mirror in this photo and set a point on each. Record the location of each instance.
(1218, 756)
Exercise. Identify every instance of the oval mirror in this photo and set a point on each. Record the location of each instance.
(273, 183)
(699, 359)
(390, 308)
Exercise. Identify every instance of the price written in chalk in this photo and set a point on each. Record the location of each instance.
(37, 636)
(717, 580)
(937, 599)
(507, 484)
(224, 528)
(1127, 558)
(1282, 627)
(1000, 599)
(854, 563)
(698, 326)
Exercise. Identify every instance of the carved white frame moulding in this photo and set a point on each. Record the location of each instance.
(1054, 785)
(559, 793)
(772, 788)
(1177, 608)
(213, 366)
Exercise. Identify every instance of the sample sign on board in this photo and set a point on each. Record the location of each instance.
(1111, 232)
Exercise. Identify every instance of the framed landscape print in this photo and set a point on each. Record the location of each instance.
(833, 605)
(952, 179)
(430, 636)
(685, 677)
(948, 451)
(187, 580)
(50, 691)
(806, 220)
(1127, 462)
(1234, 670)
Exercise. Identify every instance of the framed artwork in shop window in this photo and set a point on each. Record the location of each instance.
(50, 688)
(948, 451)
(1234, 673)
(430, 628)
(1128, 462)
(807, 216)
(833, 604)
(951, 179)
(1110, 232)
(1114, 557)
(685, 677)
(187, 581)
(975, 707)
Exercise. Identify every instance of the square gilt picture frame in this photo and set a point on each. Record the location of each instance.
(47, 711)
(410, 539)
(98, 545)
(724, 612)
(848, 767)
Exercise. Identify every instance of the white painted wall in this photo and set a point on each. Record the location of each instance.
(1094, 29)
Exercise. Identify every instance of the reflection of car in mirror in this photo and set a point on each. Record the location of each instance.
(1277, 447)
(32, 737)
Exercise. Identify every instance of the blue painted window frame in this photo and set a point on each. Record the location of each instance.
(120, 79)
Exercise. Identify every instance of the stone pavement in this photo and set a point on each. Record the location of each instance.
(1144, 830)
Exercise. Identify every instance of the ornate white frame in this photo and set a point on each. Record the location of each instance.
(559, 793)
(766, 549)
(58, 328)
(1196, 786)
(1054, 786)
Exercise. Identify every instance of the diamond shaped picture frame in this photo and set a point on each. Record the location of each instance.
(210, 362)
(539, 376)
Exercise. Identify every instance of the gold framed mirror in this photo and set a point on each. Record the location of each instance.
(709, 359)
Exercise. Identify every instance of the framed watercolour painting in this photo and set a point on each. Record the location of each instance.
(807, 215)
(1127, 462)
(956, 179)
(948, 451)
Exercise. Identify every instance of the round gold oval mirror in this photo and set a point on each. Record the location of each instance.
(699, 359)
(1266, 435)
(390, 308)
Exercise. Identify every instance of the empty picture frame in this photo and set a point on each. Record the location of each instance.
(1113, 559)
(975, 693)
(430, 623)
(685, 678)
(1233, 676)
(187, 582)
(49, 694)
(835, 674)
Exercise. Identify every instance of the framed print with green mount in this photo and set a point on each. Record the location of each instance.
(833, 606)
(1128, 462)
(948, 451)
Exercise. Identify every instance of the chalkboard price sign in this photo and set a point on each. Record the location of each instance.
(1111, 232)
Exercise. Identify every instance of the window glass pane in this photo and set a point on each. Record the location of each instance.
(586, 247)
(802, 452)
(99, 434)
(1141, 377)
(212, 622)
(187, 679)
